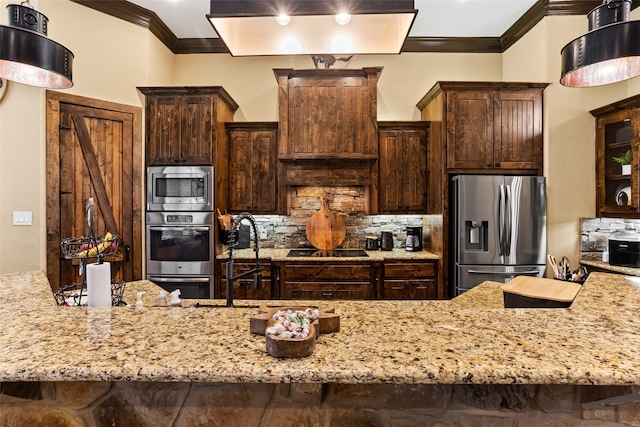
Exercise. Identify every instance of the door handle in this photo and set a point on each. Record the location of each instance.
(504, 273)
(127, 253)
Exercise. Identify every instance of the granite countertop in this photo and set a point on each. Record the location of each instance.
(281, 255)
(470, 339)
(629, 271)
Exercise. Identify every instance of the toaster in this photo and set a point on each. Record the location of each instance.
(624, 249)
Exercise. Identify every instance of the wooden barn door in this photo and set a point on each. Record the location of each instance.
(94, 150)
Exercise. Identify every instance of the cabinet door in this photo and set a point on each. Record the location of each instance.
(252, 170)
(391, 182)
(517, 140)
(403, 171)
(240, 170)
(243, 288)
(264, 172)
(330, 116)
(163, 130)
(414, 167)
(617, 190)
(469, 129)
(197, 129)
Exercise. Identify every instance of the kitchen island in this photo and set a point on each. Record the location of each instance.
(417, 361)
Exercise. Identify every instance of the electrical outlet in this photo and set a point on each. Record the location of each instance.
(263, 234)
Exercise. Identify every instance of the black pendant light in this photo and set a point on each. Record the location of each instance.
(608, 53)
(28, 56)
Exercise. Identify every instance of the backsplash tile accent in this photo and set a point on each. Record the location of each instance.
(595, 234)
(289, 231)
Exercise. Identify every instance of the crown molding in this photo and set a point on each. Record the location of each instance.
(137, 15)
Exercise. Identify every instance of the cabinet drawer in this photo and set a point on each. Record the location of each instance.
(241, 267)
(324, 290)
(410, 289)
(328, 272)
(409, 270)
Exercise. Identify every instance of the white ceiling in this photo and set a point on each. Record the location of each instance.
(436, 18)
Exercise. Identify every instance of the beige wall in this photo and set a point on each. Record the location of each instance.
(112, 57)
(569, 128)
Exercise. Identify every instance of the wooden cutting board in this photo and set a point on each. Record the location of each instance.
(325, 228)
(546, 289)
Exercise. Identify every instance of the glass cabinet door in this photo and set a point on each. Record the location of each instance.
(617, 163)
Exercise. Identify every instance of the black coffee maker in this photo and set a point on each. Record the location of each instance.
(414, 239)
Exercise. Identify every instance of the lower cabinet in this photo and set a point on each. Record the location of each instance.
(243, 288)
(327, 281)
(410, 280)
(330, 280)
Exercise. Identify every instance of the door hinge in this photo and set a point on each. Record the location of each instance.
(64, 127)
(64, 192)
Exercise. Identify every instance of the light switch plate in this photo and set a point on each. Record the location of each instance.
(22, 217)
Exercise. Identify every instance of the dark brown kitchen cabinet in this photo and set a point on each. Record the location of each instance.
(252, 167)
(319, 281)
(183, 123)
(494, 129)
(403, 167)
(617, 136)
(410, 280)
(243, 288)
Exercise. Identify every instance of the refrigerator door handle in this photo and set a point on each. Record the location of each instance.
(501, 228)
(504, 273)
(508, 221)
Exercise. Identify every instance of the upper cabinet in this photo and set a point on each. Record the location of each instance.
(403, 167)
(252, 167)
(183, 123)
(328, 113)
(494, 128)
(617, 143)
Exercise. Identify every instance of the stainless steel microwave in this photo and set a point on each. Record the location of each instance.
(180, 188)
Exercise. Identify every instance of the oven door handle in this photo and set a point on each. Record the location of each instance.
(154, 228)
(180, 279)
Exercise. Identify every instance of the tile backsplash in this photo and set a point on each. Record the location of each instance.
(350, 202)
(595, 234)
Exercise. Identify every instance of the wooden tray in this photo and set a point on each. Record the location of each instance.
(327, 322)
(292, 347)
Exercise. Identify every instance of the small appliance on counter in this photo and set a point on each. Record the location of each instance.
(372, 243)
(624, 249)
(386, 241)
(414, 239)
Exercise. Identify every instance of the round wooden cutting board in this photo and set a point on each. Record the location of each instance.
(325, 228)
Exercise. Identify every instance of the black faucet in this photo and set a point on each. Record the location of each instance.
(257, 271)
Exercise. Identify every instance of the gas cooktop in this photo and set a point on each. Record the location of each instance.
(315, 253)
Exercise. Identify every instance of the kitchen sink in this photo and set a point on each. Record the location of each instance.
(315, 253)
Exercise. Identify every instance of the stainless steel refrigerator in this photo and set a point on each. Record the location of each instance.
(499, 229)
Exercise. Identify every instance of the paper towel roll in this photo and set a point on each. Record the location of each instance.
(99, 284)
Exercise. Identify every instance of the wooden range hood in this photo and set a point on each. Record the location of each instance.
(328, 130)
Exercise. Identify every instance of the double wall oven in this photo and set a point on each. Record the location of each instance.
(180, 229)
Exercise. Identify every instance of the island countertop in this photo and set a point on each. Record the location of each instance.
(469, 340)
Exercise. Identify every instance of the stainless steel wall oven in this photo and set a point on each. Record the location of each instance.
(180, 249)
(180, 229)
